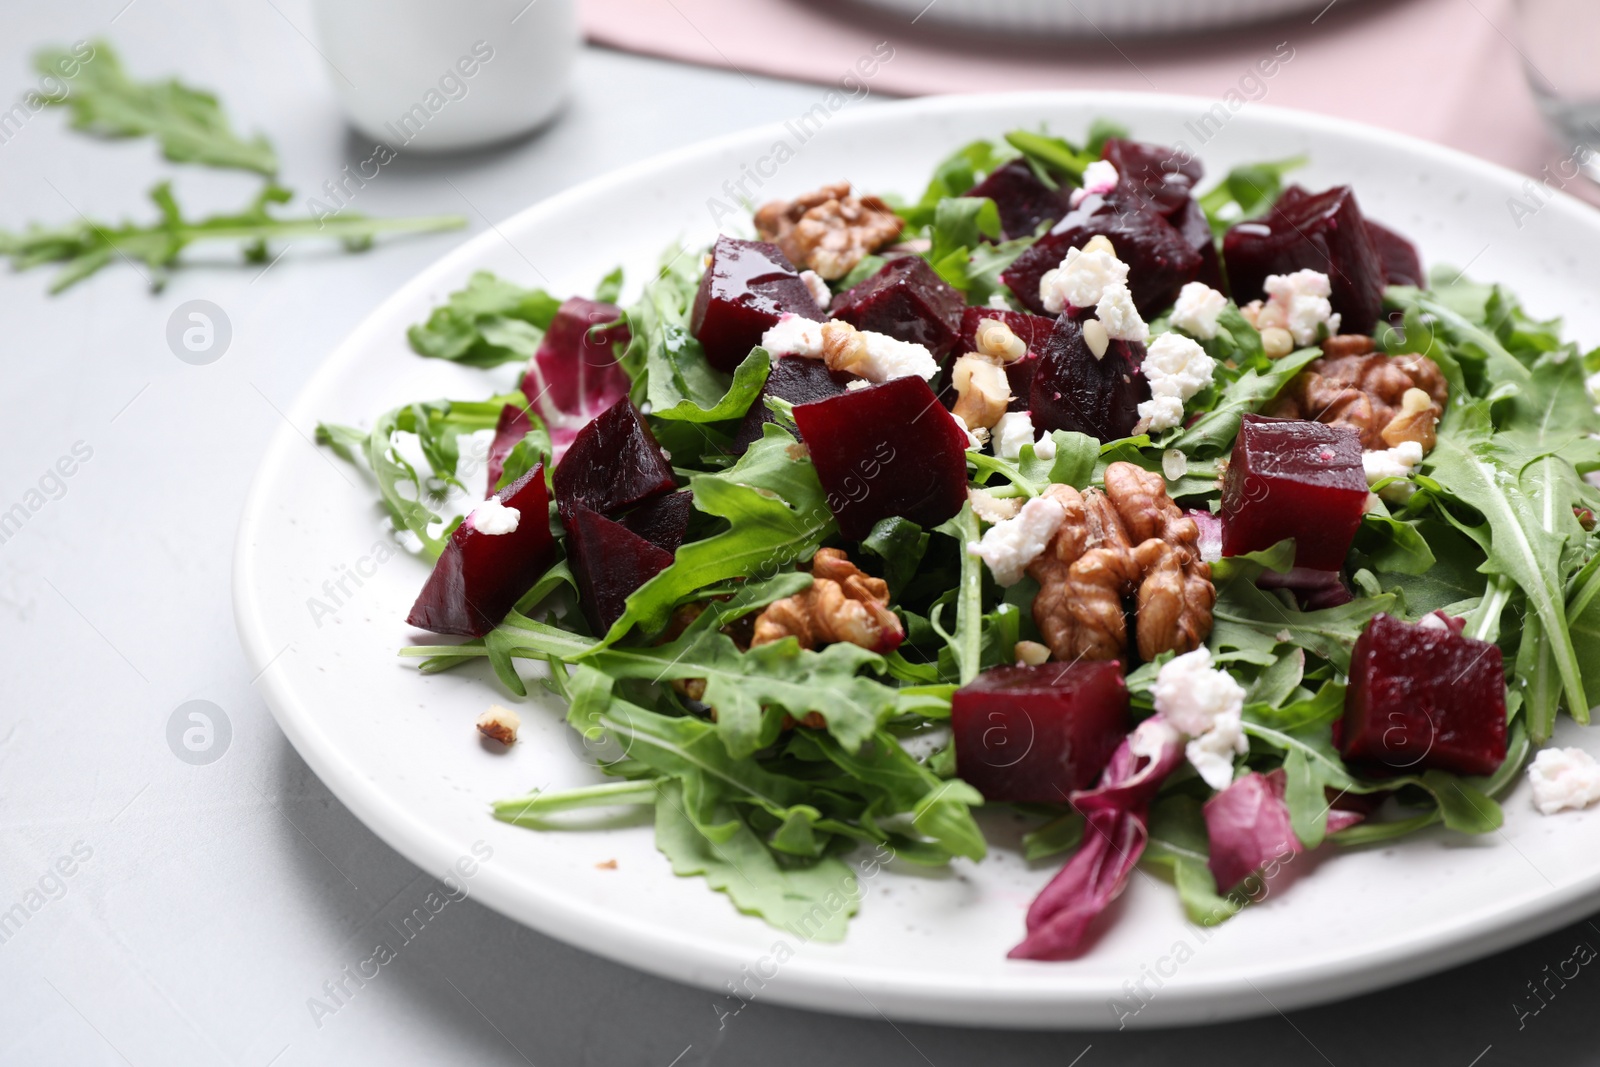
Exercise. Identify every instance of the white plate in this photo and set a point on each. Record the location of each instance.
(399, 748)
(1095, 18)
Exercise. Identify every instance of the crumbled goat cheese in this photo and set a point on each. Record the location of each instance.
(819, 288)
(998, 302)
(1177, 368)
(792, 335)
(492, 517)
(1301, 301)
(993, 509)
(1008, 547)
(1045, 446)
(1197, 309)
(1397, 462)
(1014, 430)
(1564, 778)
(1099, 177)
(976, 439)
(1432, 621)
(886, 357)
(858, 383)
(1081, 279)
(1117, 314)
(1206, 706)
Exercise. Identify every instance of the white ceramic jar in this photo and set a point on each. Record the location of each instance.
(430, 75)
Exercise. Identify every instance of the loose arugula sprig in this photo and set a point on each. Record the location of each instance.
(191, 127)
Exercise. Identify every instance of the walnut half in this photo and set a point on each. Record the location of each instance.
(1129, 539)
(828, 230)
(1386, 399)
(842, 604)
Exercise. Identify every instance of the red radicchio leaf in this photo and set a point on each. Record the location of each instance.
(1248, 826)
(1210, 525)
(1313, 589)
(574, 375)
(1115, 837)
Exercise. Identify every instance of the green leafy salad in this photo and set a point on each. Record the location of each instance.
(1198, 527)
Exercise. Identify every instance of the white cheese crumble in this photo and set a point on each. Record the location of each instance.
(1196, 310)
(1397, 462)
(1177, 368)
(819, 288)
(976, 439)
(1564, 778)
(993, 509)
(859, 383)
(998, 302)
(1045, 446)
(1117, 314)
(1081, 279)
(1014, 430)
(494, 518)
(792, 335)
(1300, 301)
(1008, 547)
(1206, 706)
(1099, 178)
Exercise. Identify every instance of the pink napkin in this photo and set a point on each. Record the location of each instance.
(1443, 70)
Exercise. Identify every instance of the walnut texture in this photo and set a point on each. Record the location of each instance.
(1367, 391)
(1130, 539)
(842, 604)
(828, 230)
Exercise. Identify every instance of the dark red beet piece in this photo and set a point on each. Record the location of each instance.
(1034, 735)
(888, 449)
(662, 520)
(574, 375)
(1421, 698)
(1023, 200)
(747, 288)
(1072, 390)
(799, 381)
(1191, 222)
(1160, 260)
(480, 576)
(1323, 232)
(1160, 176)
(508, 433)
(1401, 263)
(609, 561)
(613, 463)
(1292, 478)
(907, 301)
(1034, 330)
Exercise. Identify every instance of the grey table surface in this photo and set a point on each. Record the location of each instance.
(205, 905)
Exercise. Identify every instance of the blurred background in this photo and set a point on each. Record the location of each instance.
(186, 896)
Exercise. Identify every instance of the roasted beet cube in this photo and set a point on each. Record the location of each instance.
(1196, 229)
(613, 463)
(1072, 390)
(888, 449)
(907, 301)
(1034, 330)
(1160, 260)
(1292, 478)
(1311, 231)
(1422, 697)
(747, 288)
(609, 561)
(513, 426)
(662, 520)
(1033, 735)
(480, 576)
(1401, 263)
(1022, 198)
(1159, 176)
(799, 381)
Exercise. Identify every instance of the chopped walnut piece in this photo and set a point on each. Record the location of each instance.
(499, 724)
(982, 390)
(1347, 344)
(843, 347)
(842, 604)
(1367, 393)
(1130, 538)
(828, 231)
(1031, 653)
(1417, 420)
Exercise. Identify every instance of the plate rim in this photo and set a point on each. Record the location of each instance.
(811, 982)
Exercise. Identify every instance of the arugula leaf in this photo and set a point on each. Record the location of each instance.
(1061, 834)
(86, 246)
(1179, 844)
(189, 123)
(1056, 155)
(954, 175)
(901, 544)
(959, 226)
(488, 322)
(1247, 192)
(1213, 433)
(966, 643)
(1253, 621)
(1073, 464)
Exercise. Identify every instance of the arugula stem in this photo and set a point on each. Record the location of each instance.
(967, 645)
(532, 809)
